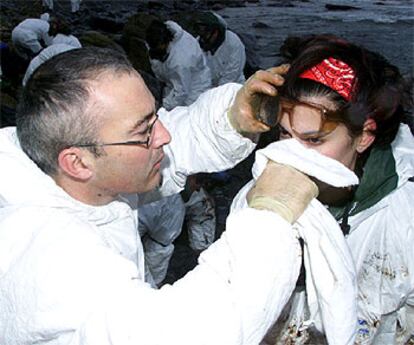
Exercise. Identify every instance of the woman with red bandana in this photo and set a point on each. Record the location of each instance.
(346, 103)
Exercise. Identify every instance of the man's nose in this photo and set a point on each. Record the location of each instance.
(161, 135)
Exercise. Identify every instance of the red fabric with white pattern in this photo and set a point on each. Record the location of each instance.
(335, 74)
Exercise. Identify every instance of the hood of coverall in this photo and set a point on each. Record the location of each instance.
(23, 184)
(386, 169)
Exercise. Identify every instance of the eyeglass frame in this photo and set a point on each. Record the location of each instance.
(145, 143)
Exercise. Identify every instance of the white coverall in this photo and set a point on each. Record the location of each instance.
(159, 224)
(43, 56)
(67, 39)
(184, 72)
(227, 62)
(72, 273)
(381, 242)
(200, 219)
(29, 34)
(75, 5)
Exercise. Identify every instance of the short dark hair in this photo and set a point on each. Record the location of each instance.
(51, 113)
(378, 91)
(158, 33)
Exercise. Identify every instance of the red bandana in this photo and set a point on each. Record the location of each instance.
(335, 74)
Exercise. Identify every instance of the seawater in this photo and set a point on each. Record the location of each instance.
(385, 26)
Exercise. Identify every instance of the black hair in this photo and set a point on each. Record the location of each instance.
(51, 113)
(378, 89)
(158, 33)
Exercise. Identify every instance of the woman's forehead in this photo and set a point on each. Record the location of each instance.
(320, 100)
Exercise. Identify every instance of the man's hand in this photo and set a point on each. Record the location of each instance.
(244, 113)
(283, 190)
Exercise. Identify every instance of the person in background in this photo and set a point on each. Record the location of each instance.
(225, 52)
(226, 58)
(71, 261)
(200, 215)
(43, 56)
(346, 102)
(64, 36)
(32, 35)
(75, 5)
(177, 60)
(159, 224)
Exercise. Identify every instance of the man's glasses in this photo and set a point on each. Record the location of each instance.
(144, 143)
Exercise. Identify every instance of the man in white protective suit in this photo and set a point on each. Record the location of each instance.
(43, 56)
(159, 224)
(225, 52)
(64, 35)
(178, 61)
(32, 35)
(71, 261)
(75, 5)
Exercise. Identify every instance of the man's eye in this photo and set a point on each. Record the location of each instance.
(142, 130)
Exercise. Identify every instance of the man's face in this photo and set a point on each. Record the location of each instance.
(125, 108)
(207, 37)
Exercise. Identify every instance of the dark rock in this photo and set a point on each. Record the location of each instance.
(260, 25)
(252, 59)
(334, 7)
(7, 110)
(280, 4)
(224, 4)
(138, 54)
(157, 5)
(105, 24)
(97, 39)
(133, 40)
(153, 84)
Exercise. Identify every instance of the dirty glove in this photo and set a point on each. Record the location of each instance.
(244, 113)
(283, 190)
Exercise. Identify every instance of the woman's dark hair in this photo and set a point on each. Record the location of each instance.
(377, 92)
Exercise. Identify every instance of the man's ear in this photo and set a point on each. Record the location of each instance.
(76, 163)
(367, 136)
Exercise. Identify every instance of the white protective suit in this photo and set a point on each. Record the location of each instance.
(200, 219)
(159, 224)
(184, 72)
(227, 62)
(66, 39)
(29, 34)
(72, 273)
(43, 56)
(331, 274)
(75, 5)
(381, 243)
